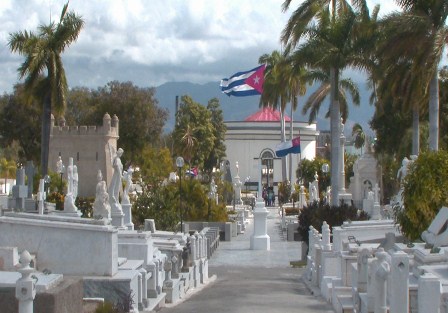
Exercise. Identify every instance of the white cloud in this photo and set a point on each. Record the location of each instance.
(151, 42)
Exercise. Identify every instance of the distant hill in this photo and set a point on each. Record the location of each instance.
(238, 108)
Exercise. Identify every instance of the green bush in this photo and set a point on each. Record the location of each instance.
(318, 212)
(425, 192)
(58, 198)
(85, 205)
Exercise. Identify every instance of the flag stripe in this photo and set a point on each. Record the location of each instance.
(287, 147)
(237, 84)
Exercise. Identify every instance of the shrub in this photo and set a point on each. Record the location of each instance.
(425, 192)
(318, 212)
(85, 204)
(58, 198)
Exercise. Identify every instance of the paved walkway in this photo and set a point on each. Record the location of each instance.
(246, 281)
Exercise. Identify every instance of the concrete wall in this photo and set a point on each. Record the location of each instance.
(62, 246)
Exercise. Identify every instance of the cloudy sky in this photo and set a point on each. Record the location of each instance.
(153, 42)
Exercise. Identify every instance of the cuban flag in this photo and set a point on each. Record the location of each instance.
(287, 147)
(248, 83)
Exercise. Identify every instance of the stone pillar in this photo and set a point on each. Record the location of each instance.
(343, 195)
(40, 197)
(399, 288)
(193, 247)
(127, 219)
(302, 197)
(19, 190)
(326, 245)
(25, 286)
(381, 274)
(260, 240)
(29, 171)
(376, 210)
(311, 240)
(363, 267)
(429, 293)
(175, 271)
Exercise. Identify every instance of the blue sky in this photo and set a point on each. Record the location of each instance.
(153, 42)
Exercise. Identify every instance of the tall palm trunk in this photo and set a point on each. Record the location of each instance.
(335, 121)
(45, 132)
(434, 112)
(282, 118)
(415, 130)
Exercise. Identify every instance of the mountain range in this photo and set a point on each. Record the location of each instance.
(238, 108)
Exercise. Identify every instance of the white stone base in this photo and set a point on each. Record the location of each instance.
(345, 197)
(262, 242)
(66, 213)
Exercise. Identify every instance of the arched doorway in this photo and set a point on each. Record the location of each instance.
(267, 168)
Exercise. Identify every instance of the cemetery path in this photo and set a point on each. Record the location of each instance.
(246, 281)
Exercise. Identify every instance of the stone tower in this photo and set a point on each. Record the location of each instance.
(91, 147)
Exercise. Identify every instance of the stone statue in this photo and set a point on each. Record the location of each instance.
(70, 180)
(403, 171)
(115, 183)
(59, 165)
(127, 176)
(101, 206)
(75, 181)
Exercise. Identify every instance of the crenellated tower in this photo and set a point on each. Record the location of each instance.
(92, 149)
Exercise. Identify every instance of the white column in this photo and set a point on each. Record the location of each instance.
(381, 274)
(399, 289)
(363, 267)
(260, 240)
(25, 286)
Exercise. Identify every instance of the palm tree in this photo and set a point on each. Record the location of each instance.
(275, 94)
(332, 46)
(283, 83)
(315, 100)
(42, 51)
(420, 36)
(359, 136)
(335, 26)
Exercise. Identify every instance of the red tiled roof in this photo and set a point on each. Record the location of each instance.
(266, 114)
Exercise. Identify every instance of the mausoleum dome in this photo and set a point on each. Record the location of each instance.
(266, 114)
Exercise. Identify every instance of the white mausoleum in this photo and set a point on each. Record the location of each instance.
(255, 138)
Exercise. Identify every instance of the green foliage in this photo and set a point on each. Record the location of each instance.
(58, 198)
(284, 192)
(318, 212)
(161, 203)
(219, 133)
(85, 205)
(155, 162)
(307, 169)
(141, 120)
(425, 192)
(158, 202)
(193, 133)
(20, 121)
